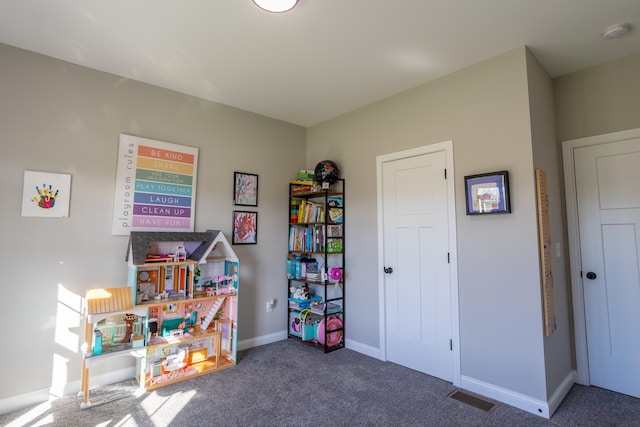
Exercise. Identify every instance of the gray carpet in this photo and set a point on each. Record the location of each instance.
(290, 384)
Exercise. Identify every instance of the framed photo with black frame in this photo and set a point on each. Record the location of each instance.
(245, 189)
(487, 193)
(245, 228)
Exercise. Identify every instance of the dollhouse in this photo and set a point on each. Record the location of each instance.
(178, 314)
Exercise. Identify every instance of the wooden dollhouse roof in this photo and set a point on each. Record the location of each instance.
(100, 301)
(106, 302)
(199, 245)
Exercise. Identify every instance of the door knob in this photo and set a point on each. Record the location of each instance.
(388, 270)
(591, 275)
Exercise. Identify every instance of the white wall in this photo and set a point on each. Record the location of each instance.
(484, 110)
(558, 347)
(598, 100)
(58, 117)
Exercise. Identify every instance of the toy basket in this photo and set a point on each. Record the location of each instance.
(303, 324)
(309, 322)
(303, 303)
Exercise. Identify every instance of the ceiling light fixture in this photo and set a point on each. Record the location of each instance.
(616, 31)
(276, 6)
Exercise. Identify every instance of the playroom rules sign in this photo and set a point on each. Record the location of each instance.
(155, 186)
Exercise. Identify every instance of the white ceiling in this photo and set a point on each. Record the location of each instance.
(324, 58)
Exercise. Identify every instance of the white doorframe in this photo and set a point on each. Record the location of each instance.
(579, 320)
(447, 147)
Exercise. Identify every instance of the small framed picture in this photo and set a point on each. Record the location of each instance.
(245, 189)
(245, 228)
(487, 193)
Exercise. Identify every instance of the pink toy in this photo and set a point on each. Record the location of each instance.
(333, 338)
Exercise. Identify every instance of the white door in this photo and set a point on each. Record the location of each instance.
(608, 200)
(416, 245)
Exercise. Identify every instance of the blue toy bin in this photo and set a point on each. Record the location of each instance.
(302, 324)
(295, 326)
(300, 304)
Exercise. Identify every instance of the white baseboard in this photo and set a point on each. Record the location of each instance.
(262, 340)
(510, 397)
(14, 403)
(115, 376)
(367, 350)
(561, 392)
(521, 401)
(282, 335)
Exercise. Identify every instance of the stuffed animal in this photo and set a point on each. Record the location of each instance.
(300, 293)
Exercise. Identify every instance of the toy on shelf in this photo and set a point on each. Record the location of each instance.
(222, 285)
(129, 319)
(180, 254)
(175, 363)
(300, 293)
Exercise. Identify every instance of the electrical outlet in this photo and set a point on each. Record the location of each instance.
(270, 305)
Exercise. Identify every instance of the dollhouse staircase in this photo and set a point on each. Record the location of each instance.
(214, 309)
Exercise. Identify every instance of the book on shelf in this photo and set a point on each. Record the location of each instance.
(314, 276)
(336, 215)
(306, 174)
(334, 230)
(335, 201)
(310, 212)
(335, 208)
(301, 189)
(334, 245)
(300, 304)
(318, 307)
(293, 213)
(306, 239)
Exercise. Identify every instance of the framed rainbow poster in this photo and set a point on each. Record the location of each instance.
(155, 186)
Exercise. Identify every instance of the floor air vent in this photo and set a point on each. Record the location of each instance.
(474, 401)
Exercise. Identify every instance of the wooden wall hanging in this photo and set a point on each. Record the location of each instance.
(544, 235)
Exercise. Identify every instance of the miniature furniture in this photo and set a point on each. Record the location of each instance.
(100, 305)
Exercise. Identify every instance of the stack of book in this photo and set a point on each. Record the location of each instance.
(307, 239)
(304, 178)
(300, 304)
(306, 182)
(318, 307)
(306, 175)
(295, 207)
(336, 208)
(309, 212)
